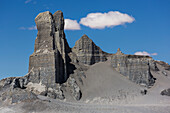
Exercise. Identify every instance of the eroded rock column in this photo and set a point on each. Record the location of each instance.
(48, 63)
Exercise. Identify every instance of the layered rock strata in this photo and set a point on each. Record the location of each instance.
(48, 64)
(87, 52)
(135, 67)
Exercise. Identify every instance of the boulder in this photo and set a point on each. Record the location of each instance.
(166, 92)
(38, 89)
(164, 73)
(56, 93)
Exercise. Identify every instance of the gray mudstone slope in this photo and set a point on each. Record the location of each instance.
(87, 52)
(135, 67)
(164, 64)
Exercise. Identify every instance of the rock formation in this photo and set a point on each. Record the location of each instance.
(87, 51)
(48, 64)
(57, 71)
(135, 67)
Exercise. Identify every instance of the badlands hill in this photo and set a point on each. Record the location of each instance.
(84, 78)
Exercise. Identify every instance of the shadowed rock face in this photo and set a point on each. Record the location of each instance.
(87, 52)
(48, 64)
(135, 67)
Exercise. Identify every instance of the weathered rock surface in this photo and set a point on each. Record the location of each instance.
(87, 52)
(49, 63)
(164, 64)
(74, 88)
(56, 93)
(14, 82)
(166, 92)
(12, 92)
(135, 67)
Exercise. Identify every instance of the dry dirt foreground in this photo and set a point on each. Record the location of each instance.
(47, 105)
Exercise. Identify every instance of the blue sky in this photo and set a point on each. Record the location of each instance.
(148, 33)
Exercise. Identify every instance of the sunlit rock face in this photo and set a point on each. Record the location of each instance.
(87, 51)
(48, 63)
(135, 67)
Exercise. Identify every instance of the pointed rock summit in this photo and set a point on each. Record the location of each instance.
(87, 51)
(119, 52)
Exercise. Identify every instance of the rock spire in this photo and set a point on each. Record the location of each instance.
(48, 64)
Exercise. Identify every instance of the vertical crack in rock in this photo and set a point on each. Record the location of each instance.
(61, 47)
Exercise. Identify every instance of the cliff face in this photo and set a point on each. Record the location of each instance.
(48, 64)
(87, 51)
(135, 68)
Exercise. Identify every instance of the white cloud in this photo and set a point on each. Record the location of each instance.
(32, 28)
(71, 25)
(145, 53)
(27, 1)
(28, 28)
(153, 54)
(22, 28)
(102, 20)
